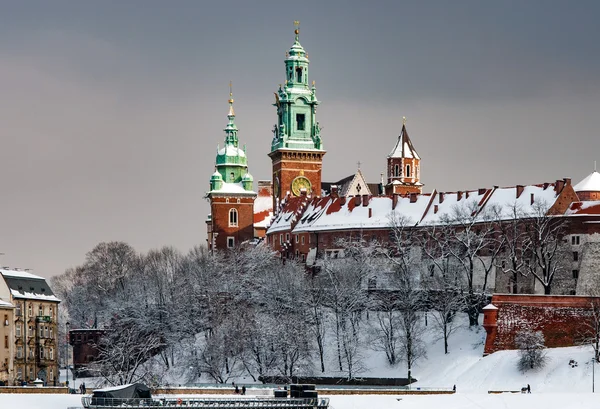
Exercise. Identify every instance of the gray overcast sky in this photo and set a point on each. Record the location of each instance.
(111, 111)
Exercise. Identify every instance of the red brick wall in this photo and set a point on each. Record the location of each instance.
(220, 220)
(561, 319)
(585, 196)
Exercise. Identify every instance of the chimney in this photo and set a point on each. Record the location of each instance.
(458, 196)
(265, 188)
(558, 187)
(481, 191)
(357, 200)
(435, 209)
(532, 198)
(413, 197)
(394, 200)
(546, 184)
(441, 196)
(567, 181)
(466, 194)
(520, 189)
(334, 191)
(365, 200)
(370, 212)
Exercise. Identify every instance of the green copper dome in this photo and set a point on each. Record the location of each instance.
(231, 160)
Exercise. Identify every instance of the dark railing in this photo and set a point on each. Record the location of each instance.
(221, 403)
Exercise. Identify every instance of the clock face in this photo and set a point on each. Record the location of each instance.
(300, 183)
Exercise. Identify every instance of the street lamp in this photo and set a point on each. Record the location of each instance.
(67, 353)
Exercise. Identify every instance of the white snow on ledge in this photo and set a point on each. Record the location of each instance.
(33, 296)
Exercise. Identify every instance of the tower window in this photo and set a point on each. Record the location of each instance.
(232, 177)
(575, 274)
(396, 170)
(233, 218)
(407, 171)
(299, 74)
(300, 122)
(230, 242)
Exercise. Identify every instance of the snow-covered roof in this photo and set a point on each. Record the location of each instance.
(19, 274)
(23, 284)
(587, 208)
(350, 213)
(231, 150)
(5, 304)
(33, 295)
(263, 211)
(590, 184)
(291, 210)
(404, 147)
(504, 199)
(233, 188)
(449, 201)
(490, 306)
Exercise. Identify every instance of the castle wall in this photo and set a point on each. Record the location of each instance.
(562, 319)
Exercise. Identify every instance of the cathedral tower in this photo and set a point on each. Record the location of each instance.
(296, 149)
(231, 197)
(403, 166)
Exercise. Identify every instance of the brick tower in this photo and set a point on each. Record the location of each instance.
(231, 197)
(403, 166)
(296, 149)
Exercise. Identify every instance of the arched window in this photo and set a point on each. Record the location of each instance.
(233, 218)
(232, 177)
(407, 171)
(396, 170)
(298, 74)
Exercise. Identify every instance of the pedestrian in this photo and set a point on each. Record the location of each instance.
(83, 388)
(244, 390)
(237, 390)
(528, 388)
(454, 388)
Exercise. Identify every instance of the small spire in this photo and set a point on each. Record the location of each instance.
(404, 121)
(358, 165)
(297, 30)
(231, 112)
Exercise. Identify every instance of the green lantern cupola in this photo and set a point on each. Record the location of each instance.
(296, 103)
(231, 161)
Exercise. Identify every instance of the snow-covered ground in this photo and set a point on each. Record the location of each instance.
(559, 385)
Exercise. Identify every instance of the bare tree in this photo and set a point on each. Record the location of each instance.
(467, 236)
(545, 245)
(445, 300)
(343, 280)
(386, 334)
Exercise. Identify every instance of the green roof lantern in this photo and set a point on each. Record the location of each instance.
(296, 103)
(231, 161)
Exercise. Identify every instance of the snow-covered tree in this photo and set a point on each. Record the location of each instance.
(532, 354)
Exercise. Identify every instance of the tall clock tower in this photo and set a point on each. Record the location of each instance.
(296, 149)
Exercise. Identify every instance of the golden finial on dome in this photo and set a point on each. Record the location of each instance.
(297, 30)
(230, 92)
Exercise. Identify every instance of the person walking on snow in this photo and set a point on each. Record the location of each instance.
(528, 388)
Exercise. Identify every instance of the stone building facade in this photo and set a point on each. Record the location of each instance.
(34, 327)
(7, 348)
